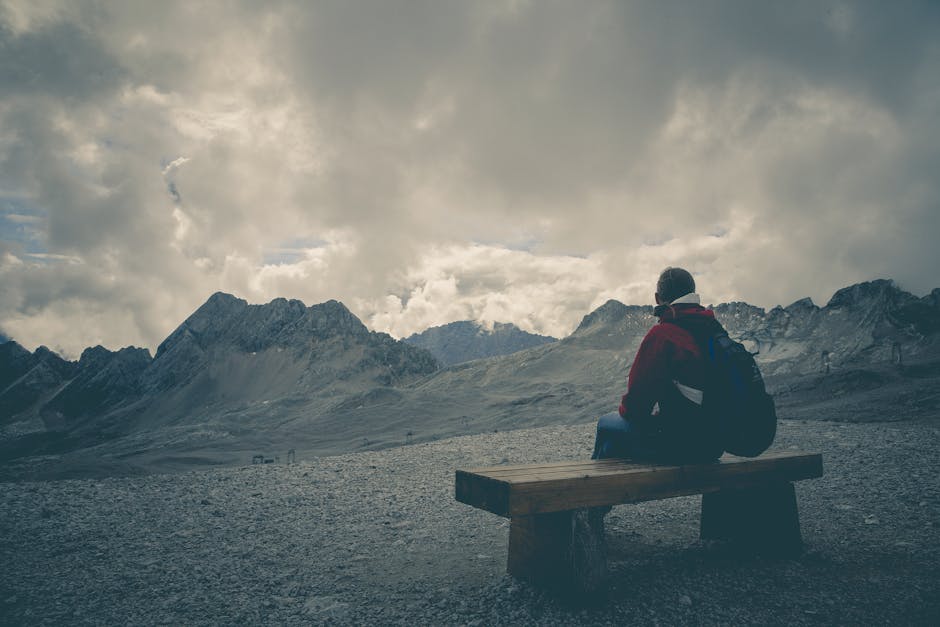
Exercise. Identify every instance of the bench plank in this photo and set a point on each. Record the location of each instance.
(572, 464)
(526, 474)
(525, 490)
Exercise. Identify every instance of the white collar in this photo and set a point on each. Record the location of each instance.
(689, 299)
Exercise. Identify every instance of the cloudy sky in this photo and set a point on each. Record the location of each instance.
(425, 162)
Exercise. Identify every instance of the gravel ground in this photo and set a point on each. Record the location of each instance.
(377, 538)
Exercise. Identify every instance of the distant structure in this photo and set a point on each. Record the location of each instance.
(291, 457)
(408, 436)
(257, 459)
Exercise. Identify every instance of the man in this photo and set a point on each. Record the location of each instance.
(660, 416)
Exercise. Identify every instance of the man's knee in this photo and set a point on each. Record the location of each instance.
(612, 422)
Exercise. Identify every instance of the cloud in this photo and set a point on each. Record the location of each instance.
(430, 161)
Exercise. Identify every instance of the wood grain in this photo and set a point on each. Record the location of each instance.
(541, 488)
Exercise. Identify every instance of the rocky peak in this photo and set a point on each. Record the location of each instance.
(795, 318)
(737, 309)
(222, 301)
(51, 359)
(228, 321)
(613, 312)
(739, 318)
(802, 305)
(917, 316)
(133, 356)
(13, 351)
(44, 352)
(880, 293)
(332, 317)
(214, 313)
(15, 361)
(94, 358)
(933, 298)
(128, 360)
(229, 326)
(104, 379)
(464, 340)
(25, 377)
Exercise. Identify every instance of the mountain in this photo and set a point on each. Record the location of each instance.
(244, 347)
(462, 341)
(583, 375)
(865, 323)
(280, 360)
(231, 370)
(102, 382)
(933, 298)
(236, 379)
(27, 378)
(567, 381)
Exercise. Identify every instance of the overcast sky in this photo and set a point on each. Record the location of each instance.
(425, 162)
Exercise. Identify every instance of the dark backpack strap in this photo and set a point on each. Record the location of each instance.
(702, 329)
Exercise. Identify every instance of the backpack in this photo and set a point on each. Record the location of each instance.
(735, 398)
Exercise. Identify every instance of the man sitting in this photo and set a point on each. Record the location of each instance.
(661, 417)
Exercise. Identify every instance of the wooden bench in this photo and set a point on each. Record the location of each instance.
(556, 533)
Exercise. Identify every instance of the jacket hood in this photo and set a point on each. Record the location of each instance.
(672, 311)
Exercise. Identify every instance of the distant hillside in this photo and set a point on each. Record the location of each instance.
(865, 326)
(862, 324)
(462, 341)
(235, 379)
(229, 368)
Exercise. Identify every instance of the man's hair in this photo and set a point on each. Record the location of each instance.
(673, 283)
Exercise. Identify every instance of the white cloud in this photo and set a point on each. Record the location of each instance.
(543, 294)
(17, 218)
(426, 162)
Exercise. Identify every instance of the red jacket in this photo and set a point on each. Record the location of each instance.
(668, 354)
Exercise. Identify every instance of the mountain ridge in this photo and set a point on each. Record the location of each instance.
(225, 357)
(465, 340)
(234, 376)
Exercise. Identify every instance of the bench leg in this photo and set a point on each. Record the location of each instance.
(561, 549)
(763, 519)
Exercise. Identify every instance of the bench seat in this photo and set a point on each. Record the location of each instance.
(556, 509)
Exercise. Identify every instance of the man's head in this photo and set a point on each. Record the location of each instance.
(673, 283)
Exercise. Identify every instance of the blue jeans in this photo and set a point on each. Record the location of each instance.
(617, 437)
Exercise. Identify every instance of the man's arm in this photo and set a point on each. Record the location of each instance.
(648, 376)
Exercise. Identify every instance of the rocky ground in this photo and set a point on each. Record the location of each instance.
(377, 538)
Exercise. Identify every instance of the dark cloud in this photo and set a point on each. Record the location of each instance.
(61, 60)
(424, 161)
